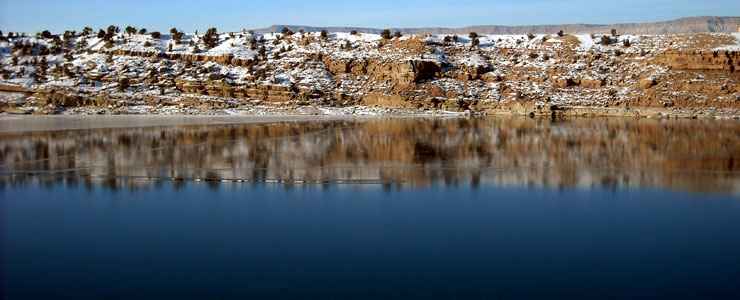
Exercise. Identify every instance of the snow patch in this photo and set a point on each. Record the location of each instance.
(735, 47)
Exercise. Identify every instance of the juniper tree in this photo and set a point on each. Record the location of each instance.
(109, 36)
(142, 31)
(112, 29)
(130, 30)
(101, 34)
(109, 33)
(397, 34)
(156, 35)
(252, 43)
(176, 35)
(68, 35)
(386, 34)
(45, 34)
(324, 34)
(606, 40)
(614, 32)
(561, 33)
(210, 39)
(123, 84)
(473, 35)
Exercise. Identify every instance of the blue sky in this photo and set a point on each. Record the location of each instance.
(35, 15)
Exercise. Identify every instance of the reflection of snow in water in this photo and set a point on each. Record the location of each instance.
(409, 151)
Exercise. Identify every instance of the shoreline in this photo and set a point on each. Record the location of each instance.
(10, 124)
(20, 123)
(31, 123)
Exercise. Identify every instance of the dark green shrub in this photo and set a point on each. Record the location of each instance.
(386, 34)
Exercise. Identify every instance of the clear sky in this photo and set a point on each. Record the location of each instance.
(57, 15)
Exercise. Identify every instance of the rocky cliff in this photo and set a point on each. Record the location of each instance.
(689, 75)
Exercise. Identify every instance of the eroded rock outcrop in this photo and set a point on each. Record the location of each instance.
(718, 60)
(265, 92)
(399, 72)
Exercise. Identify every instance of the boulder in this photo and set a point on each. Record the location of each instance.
(647, 83)
(492, 77)
(563, 82)
(592, 83)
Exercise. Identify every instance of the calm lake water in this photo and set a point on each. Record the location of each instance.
(395, 208)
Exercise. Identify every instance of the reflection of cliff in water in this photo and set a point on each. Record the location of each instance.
(687, 154)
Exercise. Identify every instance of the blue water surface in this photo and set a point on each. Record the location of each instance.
(265, 241)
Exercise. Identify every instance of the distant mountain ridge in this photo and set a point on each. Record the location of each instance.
(682, 25)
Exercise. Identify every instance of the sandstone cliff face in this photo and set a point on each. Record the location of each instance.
(265, 92)
(403, 73)
(719, 60)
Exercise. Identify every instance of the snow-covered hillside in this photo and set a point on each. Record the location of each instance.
(320, 68)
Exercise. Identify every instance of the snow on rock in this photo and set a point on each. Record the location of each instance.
(474, 60)
(343, 68)
(238, 47)
(364, 37)
(735, 47)
(586, 41)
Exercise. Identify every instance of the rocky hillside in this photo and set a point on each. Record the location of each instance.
(132, 71)
(683, 25)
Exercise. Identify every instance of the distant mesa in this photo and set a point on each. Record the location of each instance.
(683, 25)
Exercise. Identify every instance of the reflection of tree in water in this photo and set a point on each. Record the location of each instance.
(612, 153)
